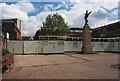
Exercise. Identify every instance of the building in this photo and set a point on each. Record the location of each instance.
(27, 38)
(110, 30)
(11, 29)
(70, 42)
(76, 32)
(73, 32)
(38, 33)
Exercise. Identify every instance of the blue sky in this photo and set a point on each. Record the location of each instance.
(34, 13)
(50, 6)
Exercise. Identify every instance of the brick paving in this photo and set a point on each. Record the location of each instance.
(69, 66)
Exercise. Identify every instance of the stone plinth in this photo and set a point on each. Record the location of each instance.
(86, 40)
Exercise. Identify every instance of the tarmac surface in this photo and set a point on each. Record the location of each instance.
(68, 66)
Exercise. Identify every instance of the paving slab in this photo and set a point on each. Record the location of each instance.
(64, 67)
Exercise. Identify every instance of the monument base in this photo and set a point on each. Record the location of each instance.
(87, 51)
(87, 46)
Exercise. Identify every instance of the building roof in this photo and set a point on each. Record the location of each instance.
(110, 30)
(11, 19)
(75, 28)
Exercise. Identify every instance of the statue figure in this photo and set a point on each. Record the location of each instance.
(86, 16)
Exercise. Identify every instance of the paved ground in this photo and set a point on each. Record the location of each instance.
(69, 66)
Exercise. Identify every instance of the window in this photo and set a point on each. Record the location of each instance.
(80, 39)
(105, 40)
(92, 39)
(96, 40)
(117, 40)
(101, 40)
(75, 39)
(68, 39)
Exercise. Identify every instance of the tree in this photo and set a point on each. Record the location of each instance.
(54, 25)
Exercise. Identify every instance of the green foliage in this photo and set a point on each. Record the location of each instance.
(4, 51)
(54, 25)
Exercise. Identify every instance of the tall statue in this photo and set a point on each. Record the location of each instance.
(86, 39)
(86, 16)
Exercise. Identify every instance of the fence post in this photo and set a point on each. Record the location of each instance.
(36, 50)
(23, 47)
(42, 47)
(13, 51)
(38, 47)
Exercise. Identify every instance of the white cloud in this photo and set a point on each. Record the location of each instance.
(101, 14)
(94, 0)
(98, 17)
(31, 25)
(109, 5)
(11, 11)
(42, 15)
(26, 7)
(74, 17)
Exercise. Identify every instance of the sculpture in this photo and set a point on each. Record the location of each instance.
(86, 39)
(86, 16)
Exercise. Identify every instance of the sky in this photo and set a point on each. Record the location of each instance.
(33, 13)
